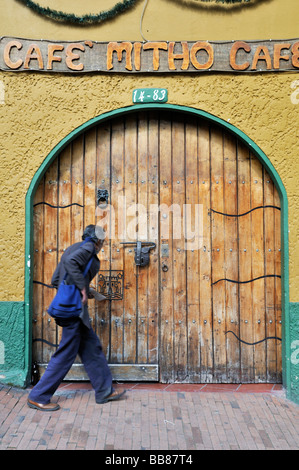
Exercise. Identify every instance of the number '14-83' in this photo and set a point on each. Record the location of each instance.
(149, 95)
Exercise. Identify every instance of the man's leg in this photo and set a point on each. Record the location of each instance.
(95, 363)
(96, 366)
(59, 365)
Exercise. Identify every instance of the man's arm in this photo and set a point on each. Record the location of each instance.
(55, 277)
(75, 263)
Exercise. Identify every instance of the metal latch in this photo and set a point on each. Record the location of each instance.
(142, 251)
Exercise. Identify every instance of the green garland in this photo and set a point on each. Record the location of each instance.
(80, 20)
(227, 2)
(104, 15)
(220, 1)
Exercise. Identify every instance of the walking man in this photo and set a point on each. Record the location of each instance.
(78, 336)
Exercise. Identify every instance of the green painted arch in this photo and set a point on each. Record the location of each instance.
(180, 110)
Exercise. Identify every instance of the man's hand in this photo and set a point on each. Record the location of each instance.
(84, 296)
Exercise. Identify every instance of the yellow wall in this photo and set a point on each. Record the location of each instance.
(172, 20)
(38, 110)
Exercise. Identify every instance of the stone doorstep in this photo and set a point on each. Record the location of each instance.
(179, 387)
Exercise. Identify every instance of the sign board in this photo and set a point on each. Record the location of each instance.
(150, 95)
(25, 55)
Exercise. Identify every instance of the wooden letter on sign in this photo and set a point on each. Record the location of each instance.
(183, 56)
(51, 57)
(233, 54)
(156, 46)
(34, 53)
(7, 50)
(119, 49)
(70, 56)
(198, 46)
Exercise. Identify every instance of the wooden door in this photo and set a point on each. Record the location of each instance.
(205, 309)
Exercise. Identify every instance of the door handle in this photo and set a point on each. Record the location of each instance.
(142, 251)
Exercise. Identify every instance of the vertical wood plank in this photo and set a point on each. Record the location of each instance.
(142, 274)
(38, 272)
(166, 321)
(270, 281)
(117, 193)
(179, 253)
(258, 257)
(77, 214)
(77, 208)
(192, 251)
(218, 256)
(231, 258)
(50, 255)
(65, 199)
(153, 232)
(89, 177)
(245, 263)
(103, 219)
(205, 287)
(130, 313)
(89, 195)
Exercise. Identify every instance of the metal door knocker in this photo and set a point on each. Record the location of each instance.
(102, 197)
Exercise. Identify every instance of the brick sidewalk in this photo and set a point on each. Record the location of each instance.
(153, 417)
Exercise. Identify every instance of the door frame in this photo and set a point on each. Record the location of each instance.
(254, 148)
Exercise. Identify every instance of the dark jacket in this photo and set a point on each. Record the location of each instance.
(73, 261)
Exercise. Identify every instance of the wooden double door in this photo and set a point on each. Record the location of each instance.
(207, 306)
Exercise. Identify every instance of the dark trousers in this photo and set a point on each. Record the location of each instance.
(76, 339)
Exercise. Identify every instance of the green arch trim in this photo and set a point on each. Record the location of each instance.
(179, 109)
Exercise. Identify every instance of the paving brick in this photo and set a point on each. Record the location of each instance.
(152, 417)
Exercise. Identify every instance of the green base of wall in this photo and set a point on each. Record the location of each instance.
(293, 397)
(293, 390)
(13, 368)
(15, 378)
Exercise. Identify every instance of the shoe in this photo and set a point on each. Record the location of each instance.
(42, 407)
(113, 396)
